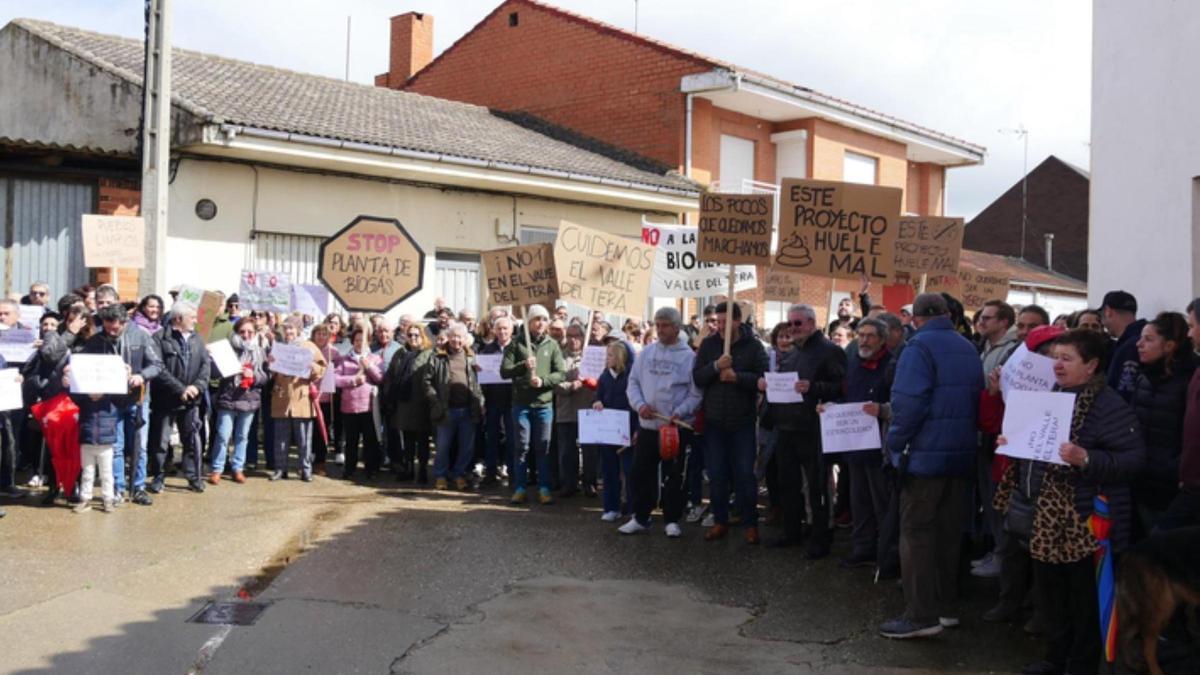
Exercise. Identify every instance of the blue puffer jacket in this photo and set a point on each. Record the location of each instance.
(935, 403)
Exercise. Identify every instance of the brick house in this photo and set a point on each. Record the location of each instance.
(715, 122)
(1057, 204)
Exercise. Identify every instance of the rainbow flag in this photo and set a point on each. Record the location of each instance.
(1100, 523)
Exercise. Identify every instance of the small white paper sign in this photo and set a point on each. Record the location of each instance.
(591, 364)
(16, 344)
(98, 374)
(781, 388)
(31, 316)
(10, 390)
(1036, 423)
(1026, 371)
(604, 427)
(294, 360)
(489, 368)
(227, 362)
(846, 428)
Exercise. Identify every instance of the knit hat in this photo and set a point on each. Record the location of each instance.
(536, 311)
(1041, 335)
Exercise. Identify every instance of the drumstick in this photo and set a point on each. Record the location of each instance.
(681, 423)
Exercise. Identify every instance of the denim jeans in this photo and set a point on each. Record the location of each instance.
(492, 435)
(612, 467)
(695, 471)
(285, 430)
(533, 433)
(722, 448)
(236, 423)
(130, 445)
(459, 425)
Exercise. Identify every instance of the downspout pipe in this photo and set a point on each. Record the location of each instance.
(687, 144)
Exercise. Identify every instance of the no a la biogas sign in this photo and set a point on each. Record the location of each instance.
(372, 264)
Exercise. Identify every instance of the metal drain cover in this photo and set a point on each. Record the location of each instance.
(230, 613)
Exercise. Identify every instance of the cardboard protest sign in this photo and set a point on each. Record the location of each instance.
(783, 285)
(114, 241)
(521, 275)
(605, 427)
(210, 308)
(602, 271)
(735, 229)
(678, 272)
(372, 264)
(929, 245)
(842, 230)
(846, 428)
(1026, 371)
(265, 291)
(976, 287)
(1036, 424)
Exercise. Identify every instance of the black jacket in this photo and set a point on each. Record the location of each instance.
(730, 405)
(180, 370)
(1124, 366)
(1159, 400)
(136, 349)
(823, 364)
(1116, 454)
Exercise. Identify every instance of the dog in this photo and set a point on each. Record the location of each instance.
(1156, 576)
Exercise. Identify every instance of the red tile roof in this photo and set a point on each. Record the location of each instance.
(1020, 272)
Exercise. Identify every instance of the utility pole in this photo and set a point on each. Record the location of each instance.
(347, 78)
(156, 143)
(635, 16)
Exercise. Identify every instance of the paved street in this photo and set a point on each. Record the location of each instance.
(395, 579)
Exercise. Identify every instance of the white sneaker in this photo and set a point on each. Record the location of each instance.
(674, 530)
(108, 506)
(632, 527)
(610, 516)
(338, 458)
(981, 561)
(35, 481)
(695, 513)
(948, 621)
(82, 507)
(708, 521)
(988, 569)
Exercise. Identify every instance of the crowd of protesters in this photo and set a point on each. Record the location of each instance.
(382, 399)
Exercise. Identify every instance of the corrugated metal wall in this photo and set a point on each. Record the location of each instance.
(41, 220)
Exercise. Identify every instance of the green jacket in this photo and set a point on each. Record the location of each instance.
(437, 388)
(550, 368)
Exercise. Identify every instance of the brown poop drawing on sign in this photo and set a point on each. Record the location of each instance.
(795, 252)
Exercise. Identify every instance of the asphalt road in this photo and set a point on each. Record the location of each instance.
(388, 578)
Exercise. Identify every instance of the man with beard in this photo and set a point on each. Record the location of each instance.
(867, 382)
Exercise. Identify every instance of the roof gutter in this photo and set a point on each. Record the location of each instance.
(725, 80)
(461, 169)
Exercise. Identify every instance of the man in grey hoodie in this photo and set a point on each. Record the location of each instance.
(661, 383)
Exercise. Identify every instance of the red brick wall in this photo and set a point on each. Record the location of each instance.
(609, 87)
(410, 48)
(113, 193)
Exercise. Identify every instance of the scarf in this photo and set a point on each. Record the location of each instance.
(872, 364)
(1060, 534)
(145, 324)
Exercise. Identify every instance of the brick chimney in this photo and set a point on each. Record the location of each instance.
(411, 48)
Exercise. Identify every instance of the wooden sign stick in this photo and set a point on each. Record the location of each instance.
(729, 304)
(528, 344)
(924, 280)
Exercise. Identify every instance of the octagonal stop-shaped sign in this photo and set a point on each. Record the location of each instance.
(372, 264)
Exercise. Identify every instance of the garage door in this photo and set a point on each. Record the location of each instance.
(41, 232)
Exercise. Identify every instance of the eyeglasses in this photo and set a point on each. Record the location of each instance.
(798, 324)
(985, 317)
(37, 293)
(864, 336)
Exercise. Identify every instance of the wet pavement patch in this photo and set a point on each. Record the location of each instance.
(230, 613)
